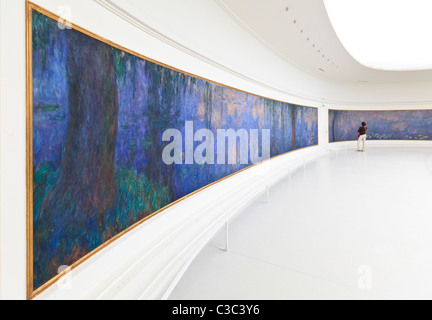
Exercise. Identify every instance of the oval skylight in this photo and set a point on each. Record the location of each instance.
(385, 34)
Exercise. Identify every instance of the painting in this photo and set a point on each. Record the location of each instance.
(382, 125)
(98, 115)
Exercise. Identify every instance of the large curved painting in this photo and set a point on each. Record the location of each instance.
(382, 125)
(99, 117)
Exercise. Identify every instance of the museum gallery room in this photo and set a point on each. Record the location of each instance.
(215, 150)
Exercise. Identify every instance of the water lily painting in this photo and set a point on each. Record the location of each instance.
(98, 115)
(382, 125)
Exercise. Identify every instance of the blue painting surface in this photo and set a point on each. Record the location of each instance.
(99, 114)
(382, 125)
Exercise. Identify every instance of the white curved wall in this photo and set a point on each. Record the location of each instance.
(196, 36)
(12, 151)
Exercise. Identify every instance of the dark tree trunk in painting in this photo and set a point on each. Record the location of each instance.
(165, 88)
(293, 124)
(86, 188)
(333, 138)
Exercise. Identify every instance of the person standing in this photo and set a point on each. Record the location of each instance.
(362, 137)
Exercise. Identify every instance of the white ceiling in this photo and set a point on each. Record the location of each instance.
(301, 32)
(404, 24)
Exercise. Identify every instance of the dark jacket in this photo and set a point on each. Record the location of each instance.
(362, 130)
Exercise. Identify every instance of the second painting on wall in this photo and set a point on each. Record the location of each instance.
(382, 125)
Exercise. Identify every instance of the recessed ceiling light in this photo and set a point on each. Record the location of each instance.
(385, 34)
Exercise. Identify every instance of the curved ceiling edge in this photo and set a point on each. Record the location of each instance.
(125, 15)
(266, 44)
(128, 17)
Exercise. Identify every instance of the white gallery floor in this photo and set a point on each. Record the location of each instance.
(352, 225)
